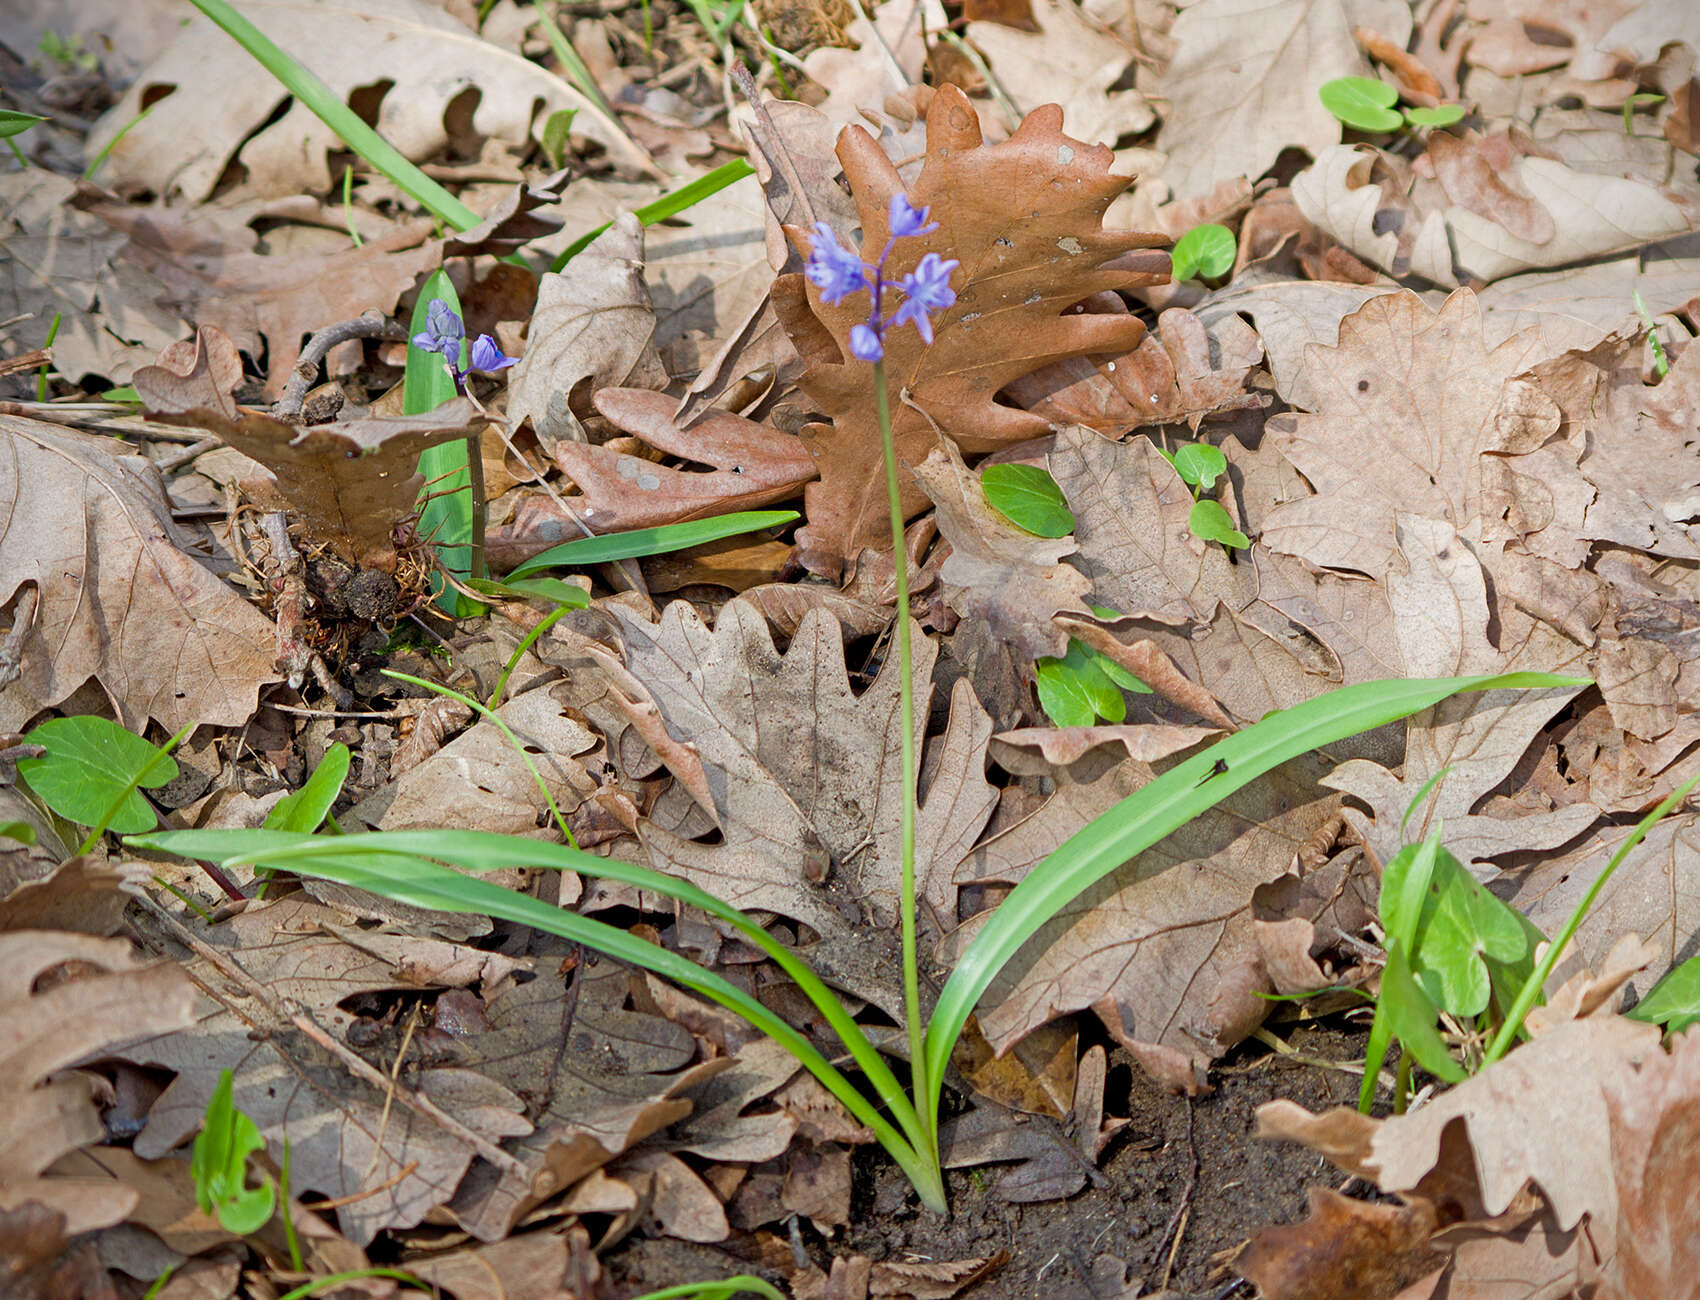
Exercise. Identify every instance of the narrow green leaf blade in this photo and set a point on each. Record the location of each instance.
(638, 542)
(445, 519)
(1169, 802)
(306, 809)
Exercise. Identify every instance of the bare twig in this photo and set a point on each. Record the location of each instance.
(287, 1010)
(306, 369)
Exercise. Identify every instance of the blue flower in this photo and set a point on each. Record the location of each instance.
(926, 289)
(443, 331)
(832, 268)
(907, 220)
(486, 356)
(865, 343)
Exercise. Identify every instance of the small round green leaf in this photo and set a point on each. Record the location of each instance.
(1212, 523)
(1362, 102)
(1206, 250)
(88, 764)
(1439, 115)
(1029, 498)
(1199, 464)
(1074, 692)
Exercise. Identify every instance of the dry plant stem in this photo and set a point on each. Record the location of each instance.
(287, 578)
(12, 648)
(286, 1010)
(906, 724)
(307, 368)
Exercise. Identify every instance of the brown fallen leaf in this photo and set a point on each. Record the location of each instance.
(804, 776)
(121, 600)
(1165, 949)
(351, 482)
(68, 264)
(594, 326)
(266, 303)
(754, 465)
(1345, 1248)
(1232, 106)
(1024, 218)
(427, 57)
(1005, 579)
(49, 1024)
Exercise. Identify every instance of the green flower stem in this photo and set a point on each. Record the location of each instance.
(906, 713)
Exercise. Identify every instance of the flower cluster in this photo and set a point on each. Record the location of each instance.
(444, 333)
(838, 273)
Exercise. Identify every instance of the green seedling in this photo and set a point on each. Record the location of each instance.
(68, 53)
(1085, 685)
(1204, 252)
(1029, 498)
(430, 869)
(219, 1165)
(1661, 361)
(1199, 465)
(1367, 104)
(93, 772)
(1641, 99)
(1675, 1000)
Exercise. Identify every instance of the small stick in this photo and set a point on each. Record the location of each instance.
(306, 370)
(295, 1014)
(12, 648)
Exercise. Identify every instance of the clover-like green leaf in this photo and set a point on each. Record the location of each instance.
(1206, 250)
(1199, 464)
(89, 764)
(1029, 498)
(1074, 690)
(1362, 102)
(1460, 930)
(1439, 115)
(1211, 522)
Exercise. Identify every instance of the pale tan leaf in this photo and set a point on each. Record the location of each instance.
(1233, 101)
(120, 600)
(1290, 314)
(595, 325)
(114, 1001)
(428, 58)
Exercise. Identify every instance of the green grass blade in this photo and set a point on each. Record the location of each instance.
(639, 542)
(577, 71)
(328, 106)
(388, 851)
(668, 205)
(445, 518)
(1166, 804)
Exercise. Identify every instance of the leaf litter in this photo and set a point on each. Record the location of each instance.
(1452, 372)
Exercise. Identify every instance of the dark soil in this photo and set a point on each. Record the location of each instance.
(1216, 1185)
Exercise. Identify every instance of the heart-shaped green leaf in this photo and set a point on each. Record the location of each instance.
(1362, 102)
(1029, 498)
(1206, 250)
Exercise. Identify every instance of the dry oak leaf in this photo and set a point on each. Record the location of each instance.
(346, 1137)
(1414, 413)
(351, 483)
(267, 303)
(1003, 577)
(1070, 51)
(1344, 1247)
(1542, 1115)
(594, 326)
(1501, 204)
(121, 600)
(1234, 101)
(1024, 219)
(1165, 948)
(753, 465)
(67, 264)
(49, 1026)
(444, 86)
(805, 777)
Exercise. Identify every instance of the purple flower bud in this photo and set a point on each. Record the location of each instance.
(926, 289)
(865, 343)
(488, 357)
(907, 220)
(443, 331)
(832, 268)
